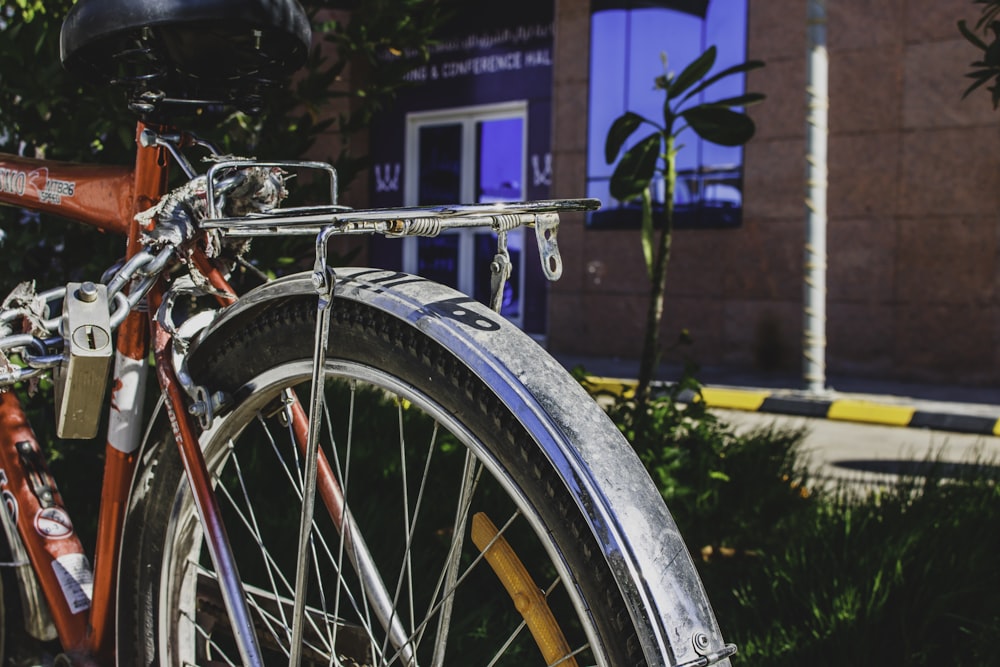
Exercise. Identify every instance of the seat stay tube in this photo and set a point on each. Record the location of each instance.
(200, 481)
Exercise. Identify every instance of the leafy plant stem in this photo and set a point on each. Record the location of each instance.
(657, 271)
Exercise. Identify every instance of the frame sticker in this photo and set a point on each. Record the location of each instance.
(9, 500)
(76, 580)
(10, 503)
(53, 523)
(47, 190)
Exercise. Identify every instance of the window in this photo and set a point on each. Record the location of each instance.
(476, 155)
(627, 38)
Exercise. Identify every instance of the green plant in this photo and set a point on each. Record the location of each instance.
(46, 112)
(819, 573)
(718, 122)
(901, 576)
(987, 68)
(727, 490)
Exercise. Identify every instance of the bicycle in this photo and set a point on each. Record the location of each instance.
(420, 418)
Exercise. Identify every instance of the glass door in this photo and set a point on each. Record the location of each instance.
(471, 155)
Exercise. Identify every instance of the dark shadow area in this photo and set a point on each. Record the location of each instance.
(938, 469)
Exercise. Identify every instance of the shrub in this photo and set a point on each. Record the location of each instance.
(904, 575)
(728, 491)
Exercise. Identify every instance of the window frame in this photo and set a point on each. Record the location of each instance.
(693, 209)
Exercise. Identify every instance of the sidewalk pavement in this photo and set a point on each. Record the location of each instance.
(938, 407)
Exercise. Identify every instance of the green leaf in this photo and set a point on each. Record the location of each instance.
(729, 71)
(635, 169)
(620, 131)
(991, 57)
(720, 126)
(740, 100)
(692, 73)
(971, 36)
(983, 78)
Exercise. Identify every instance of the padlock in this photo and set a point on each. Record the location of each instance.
(82, 378)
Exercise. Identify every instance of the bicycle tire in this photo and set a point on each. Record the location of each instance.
(164, 568)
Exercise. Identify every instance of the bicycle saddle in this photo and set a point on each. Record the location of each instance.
(185, 48)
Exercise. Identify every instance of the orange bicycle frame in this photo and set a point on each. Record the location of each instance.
(81, 603)
(80, 600)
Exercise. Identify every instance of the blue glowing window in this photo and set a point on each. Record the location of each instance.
(627, 38)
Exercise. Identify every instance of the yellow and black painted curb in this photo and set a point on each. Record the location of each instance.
(820, 407)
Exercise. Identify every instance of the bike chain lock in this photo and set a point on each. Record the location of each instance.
(81, 380)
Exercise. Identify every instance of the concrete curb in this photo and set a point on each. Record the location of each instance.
(800, 404)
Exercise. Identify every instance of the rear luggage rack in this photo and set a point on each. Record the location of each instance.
(333, 220)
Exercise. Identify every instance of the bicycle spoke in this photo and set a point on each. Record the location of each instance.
(517, 631)
(251, 525)
(208, 639)
(406, 572)
(372, 587)
(323, 625)
(395, 470)
(450, 592)
(363, 608)
(406, 568)
(322, 591)
(255, 530)
(454, 551)
(570, 656)
(270, 560)
(342, 472)
(264, 603)
(470, 471)
(520, 628)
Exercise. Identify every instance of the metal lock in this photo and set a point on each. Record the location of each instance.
(82, 378)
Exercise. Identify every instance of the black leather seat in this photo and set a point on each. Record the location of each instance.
(184, 47)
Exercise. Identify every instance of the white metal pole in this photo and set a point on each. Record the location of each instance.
(814, 323)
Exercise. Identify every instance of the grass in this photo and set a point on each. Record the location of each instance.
(904, 575)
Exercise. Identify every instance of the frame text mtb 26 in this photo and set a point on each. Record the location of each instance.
(344, 467)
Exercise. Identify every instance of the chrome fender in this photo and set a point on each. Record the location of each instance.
(628, 518)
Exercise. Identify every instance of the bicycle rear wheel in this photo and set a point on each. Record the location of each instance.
(457, 515)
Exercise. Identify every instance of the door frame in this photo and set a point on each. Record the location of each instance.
(468, 117)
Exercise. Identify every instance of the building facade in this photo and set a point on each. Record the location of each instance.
(914, 195)
(914, 189)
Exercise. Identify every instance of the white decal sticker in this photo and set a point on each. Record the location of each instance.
(47, 190)
(76, 580)
(541, 175)
(53, 523)
(10, 502)
(125, 428)
(387, 180)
